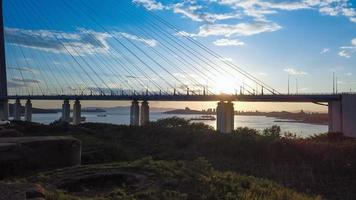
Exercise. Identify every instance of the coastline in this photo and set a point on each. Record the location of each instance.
(283, 116)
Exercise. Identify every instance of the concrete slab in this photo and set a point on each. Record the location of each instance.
(36, 153)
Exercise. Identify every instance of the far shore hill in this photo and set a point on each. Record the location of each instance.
(282, 116)
(49, 111)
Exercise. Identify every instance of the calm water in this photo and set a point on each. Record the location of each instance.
(256, 122)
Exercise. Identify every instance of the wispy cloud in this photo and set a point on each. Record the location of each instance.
(259, 9)
(324, 51)
(17, 82)
(296, 72)
(195, 13)
(244, 29)
(262, 74)
(228, 42)
(150, 4)
(81, 42)
(347, 51)
(149, 42)
(23, 69)
(224, 59)
(25, 81)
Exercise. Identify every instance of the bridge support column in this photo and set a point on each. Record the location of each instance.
(77, 115)
(17, 110)
(65, 111)
(335, 116)
(4, 110)
(225, 117)
(145, 114)
(135, 114)
(342, 115)
(28, 111)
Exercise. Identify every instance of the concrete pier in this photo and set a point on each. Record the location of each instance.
(66, 111)
(342, 115)
(4, 110)
(17, 110)
(77, 113)
(335, 114)
(28, 111)
(225, 117)
(145, 114)
(135, 114)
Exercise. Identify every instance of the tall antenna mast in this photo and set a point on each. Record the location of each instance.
(333, 82)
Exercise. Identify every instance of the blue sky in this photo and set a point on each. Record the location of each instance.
(64, 46)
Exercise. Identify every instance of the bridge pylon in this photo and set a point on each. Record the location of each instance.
(4, 105)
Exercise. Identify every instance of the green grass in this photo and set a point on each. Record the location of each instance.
(322, 165)
(181, 180)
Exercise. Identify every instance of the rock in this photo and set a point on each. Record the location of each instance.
(93, 180)
(21, 191)
(9, 133)
(37, 153)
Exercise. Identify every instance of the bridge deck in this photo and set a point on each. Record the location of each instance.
(246, 98)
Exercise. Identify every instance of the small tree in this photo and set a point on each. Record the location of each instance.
(273, 132)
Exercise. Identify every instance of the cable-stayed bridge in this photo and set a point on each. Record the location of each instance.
(76, 54)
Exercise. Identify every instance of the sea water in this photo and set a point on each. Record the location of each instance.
(255, 122)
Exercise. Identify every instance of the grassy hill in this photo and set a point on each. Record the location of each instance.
(322, 165)
(151, 180)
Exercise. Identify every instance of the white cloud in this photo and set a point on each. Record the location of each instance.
(185, 34)
(17, 82)
(228, 42)
(324, 51)
(260, 8)
(25, 81)
(296, 72)
(237, 29)
(149, 42)
(347, 51)
(353, 42)
(23, 69)
(263, 74)
(349, 74)
(226, 59)
(78, 43)
(150, 4)
(194, 13)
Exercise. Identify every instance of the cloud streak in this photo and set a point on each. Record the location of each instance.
(228, 42)
(347, 51)
(257, 10)
(244, 29)
(79, 43)
(295, 72)
(150, 4)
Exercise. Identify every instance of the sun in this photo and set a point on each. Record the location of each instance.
(224, 86)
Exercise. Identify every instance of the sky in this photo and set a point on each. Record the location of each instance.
(113, 46)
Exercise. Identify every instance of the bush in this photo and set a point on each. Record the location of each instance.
(274, 132)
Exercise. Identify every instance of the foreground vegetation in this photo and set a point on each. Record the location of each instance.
(322, 165)
(148, 179)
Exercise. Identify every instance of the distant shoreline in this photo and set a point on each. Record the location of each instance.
(283, 116)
